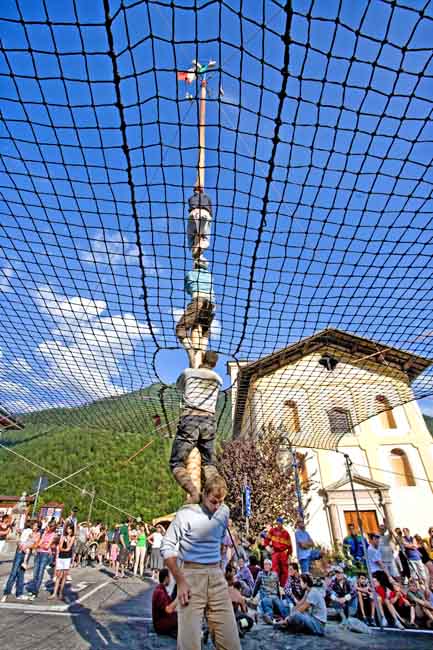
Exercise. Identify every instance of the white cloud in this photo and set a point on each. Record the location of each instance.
(115, 251)
(5, 276)
(86, 348)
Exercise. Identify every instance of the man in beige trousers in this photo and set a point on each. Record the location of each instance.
(192, 552)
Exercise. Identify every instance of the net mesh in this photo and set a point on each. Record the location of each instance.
(318, 163)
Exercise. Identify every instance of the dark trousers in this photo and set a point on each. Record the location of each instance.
(194, 431)
(16, 575)
(41, 562)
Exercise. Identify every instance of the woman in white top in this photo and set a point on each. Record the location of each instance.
(156, 561)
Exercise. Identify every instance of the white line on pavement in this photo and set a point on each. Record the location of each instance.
(91, 592)
(35, 608)
(101, 636)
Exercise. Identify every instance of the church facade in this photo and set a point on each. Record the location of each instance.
(360, 405)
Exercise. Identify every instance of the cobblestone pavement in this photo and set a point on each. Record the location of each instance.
(102, 614)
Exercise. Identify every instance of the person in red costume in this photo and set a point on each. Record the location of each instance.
(279, 540)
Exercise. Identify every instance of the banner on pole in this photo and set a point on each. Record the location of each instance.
(247, 501)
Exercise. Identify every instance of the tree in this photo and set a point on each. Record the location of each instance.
(259, 460)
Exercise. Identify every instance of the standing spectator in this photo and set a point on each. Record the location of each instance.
(64, 560)
(429, 542)
(156, 561)
(341, 595)
(387, 551)
(44, 554)
(5, 529)
(293, 588)
(374, 558)
(123, 547)
(413, 555)
(140, 550)
(81, 536)
(267, 586)
(245, 578)
(310, 613)
(29, 538)
(425, 557)
(366, 603)
(304, 545)
(353, 543)
(132, 544)
(101, 551)
(281, 548)
(164, 615)
(404, 563)
(72, 519)
(114, 551)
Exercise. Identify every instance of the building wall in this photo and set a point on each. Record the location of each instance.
(369, 447)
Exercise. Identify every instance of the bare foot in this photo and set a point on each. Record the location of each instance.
(52, 596)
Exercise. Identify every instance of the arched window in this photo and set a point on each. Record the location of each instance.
(401, 467)
(384, 411)
(291, 417)
(340, 420)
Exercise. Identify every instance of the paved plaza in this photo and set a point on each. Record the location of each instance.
(103, 614)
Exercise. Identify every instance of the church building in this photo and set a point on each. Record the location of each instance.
(337, 394)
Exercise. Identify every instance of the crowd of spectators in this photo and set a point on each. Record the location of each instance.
(264, 580)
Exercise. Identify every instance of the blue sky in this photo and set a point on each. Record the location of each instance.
(330, 225)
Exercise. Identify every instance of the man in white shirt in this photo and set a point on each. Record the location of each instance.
(197, 425)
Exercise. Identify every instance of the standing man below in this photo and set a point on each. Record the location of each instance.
(281, 547)
(192, 552)
(304, 545)
(197, 425)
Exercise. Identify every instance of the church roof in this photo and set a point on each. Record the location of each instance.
(358, 347)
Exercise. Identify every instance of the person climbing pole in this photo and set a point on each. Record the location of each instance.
(197, 425)
(192, 330)
(200, 217)
(192, 552)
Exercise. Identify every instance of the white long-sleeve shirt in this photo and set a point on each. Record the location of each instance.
(200, 388)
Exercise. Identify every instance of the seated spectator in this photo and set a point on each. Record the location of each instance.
(366, 605)
(254, 566)
(423, 608)
(244, 621)
(164, 615)
(384, 605)
(404, 609)
(245, 578)
(310, 613)
(294, 592)
(267, 586)
(341, 595)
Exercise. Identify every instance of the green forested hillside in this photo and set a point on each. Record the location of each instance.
(429, 422)
(103, 435)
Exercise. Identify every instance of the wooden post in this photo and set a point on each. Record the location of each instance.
(199, 185)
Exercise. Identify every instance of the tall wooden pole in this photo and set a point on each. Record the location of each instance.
(193, 462)
(199, 184)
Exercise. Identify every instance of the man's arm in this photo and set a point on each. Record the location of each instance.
(169, 551)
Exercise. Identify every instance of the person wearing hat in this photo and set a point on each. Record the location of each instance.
(267, 587)
(279, 543)
(341, 595)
